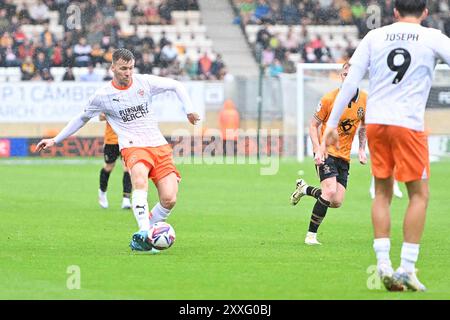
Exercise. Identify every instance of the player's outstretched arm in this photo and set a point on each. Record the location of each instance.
(44, 144)
(161, 84)
(93, 109)
(73, 126)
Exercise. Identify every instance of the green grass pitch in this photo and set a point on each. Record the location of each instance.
(237, 237)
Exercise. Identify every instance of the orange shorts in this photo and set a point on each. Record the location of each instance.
(398, 151)
(158, 159)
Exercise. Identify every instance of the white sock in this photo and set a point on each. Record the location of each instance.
(140, 209)
(409, 255)
(382, 246)
(158, 213)
(311, 234)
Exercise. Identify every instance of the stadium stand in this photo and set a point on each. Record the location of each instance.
(167, 37)
(321, 31)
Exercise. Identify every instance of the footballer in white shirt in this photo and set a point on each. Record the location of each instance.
(126, 102)
(400, 58)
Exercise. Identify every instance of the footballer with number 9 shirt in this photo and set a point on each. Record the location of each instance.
(401, 59)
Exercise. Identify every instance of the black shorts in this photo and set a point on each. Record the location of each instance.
(111, 152)
(334, 167)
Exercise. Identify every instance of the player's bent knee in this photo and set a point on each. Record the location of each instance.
(328, 195)
(168, 202)
(140, 183)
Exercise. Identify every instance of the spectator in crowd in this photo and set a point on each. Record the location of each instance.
(9, 6)
(268, 55)
(137, 16)
(291, 42)
(68, 57)
(447, 26)
(275, 68)
(82, 52)
(25, 49)
(108, 10)
(151, 13)
(46, 75)
(165, 12)
(28, 69)
(68, 75)
(262, 13)
(90, 76)
(41, 62)
(359, 13)
(47, 38)
(287, 63)
(39, 13)
(145, 65)
(107, 76)
(184, 5)
(217, 66)
(19, 36)
(168, 54)
(4, 21)
(148, 40)
(56, 55)
(23, 15)
(191, 68)
(345, 13)
(97, 54)
(163, 40)
(263, 36)
(10, 56)
(290, 13)
(90, 10)
(246, 10)
(6, 40)
(107, 57)
(204, 67)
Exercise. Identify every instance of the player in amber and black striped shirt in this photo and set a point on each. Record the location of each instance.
(334, 172)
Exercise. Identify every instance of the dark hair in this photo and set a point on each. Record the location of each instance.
(123, 54)
(410, 7)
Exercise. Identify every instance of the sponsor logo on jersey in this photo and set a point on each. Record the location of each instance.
(133, 113)
(360, 113)
(346, 126)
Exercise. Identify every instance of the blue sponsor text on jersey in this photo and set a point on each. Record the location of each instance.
(133, 113)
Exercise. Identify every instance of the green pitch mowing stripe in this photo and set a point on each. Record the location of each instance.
(237, 237)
